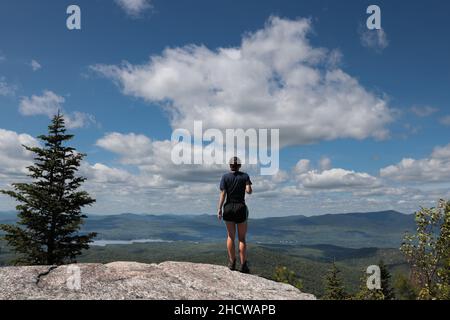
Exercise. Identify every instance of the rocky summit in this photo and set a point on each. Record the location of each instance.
(132, 280)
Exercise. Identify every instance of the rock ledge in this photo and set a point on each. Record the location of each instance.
(132, 280)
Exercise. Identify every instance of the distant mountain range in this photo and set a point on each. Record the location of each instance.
(383, 229)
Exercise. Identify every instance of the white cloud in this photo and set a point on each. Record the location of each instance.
(134, 8)
(332, 179)
(145, 180)
(445, 120)
(35, 65)
(48, 104)
(154, 158)
(274, 79)
(294, 191)
(337, 179)
(13, 156)
(374, 39)
(302, 166)
(78, 119)
(435, 168)
(134, 148)
(101, 173)
(424, 111)
(441, 153)
(385, 191)
(6, 89)
(280, 177)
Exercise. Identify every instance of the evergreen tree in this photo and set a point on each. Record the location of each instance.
(50, 206)
(384, 293)
(368, 294)
(386, 288)
(334, 289)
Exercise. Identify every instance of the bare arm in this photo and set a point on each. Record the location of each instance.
(220, 205)
(248, 189)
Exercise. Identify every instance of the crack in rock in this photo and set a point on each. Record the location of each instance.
(43, 274)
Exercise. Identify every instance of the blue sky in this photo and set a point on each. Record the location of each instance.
(406, 70)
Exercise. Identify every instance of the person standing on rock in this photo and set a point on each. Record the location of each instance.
(233, 187)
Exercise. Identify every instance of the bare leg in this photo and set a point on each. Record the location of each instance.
(242, 232)
(231, 232)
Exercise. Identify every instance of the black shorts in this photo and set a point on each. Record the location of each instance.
(235, 212)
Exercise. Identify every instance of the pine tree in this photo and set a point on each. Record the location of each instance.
(334, 289)
(384, 293)
(368, 294)
(50, 206)
(365, 293)
(386, 288)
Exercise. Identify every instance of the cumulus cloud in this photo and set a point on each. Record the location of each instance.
(78, 119)
(328, 178)
(304, 190)
(274, 79)
(435, 168)
(153, 158)
(337, 179)
(280, 177)
(134, 8)
(48, 104)
(302, 166)
(145, 180)
(35, 65)
(441, 153)
(133, 148)
(424, 111)
(374, 39)
(14, 158)
(101, 173)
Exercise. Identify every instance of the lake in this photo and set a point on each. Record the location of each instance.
(102, 243)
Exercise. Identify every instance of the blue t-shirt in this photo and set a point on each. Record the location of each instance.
(234, 183)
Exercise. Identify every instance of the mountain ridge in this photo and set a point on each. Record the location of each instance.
(366, 213)
(382, 229)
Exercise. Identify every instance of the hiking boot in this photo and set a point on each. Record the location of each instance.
(244, 268)
(232, 265)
